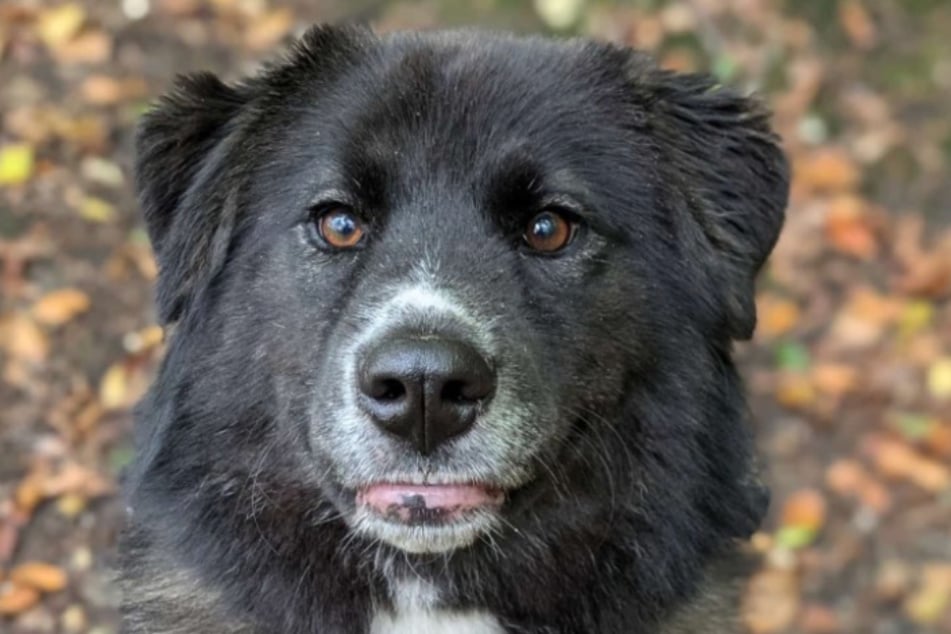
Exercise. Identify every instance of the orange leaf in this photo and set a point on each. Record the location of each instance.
(15, 599)
(23, 340)
(771, 601)
(897, 460)
(805, 508)
(39, 576)
(827, 170)
(857, 24)
(776, 316)
(848, 228)
(59, 307)
(834, 379)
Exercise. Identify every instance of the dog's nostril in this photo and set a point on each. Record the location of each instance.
(388, 390)
(424, 389)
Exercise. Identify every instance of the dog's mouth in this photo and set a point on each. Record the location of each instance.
(428, 504)
(428, 518)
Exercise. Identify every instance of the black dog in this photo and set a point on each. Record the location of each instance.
(452, 354)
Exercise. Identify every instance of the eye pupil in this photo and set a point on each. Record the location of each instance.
(549, 232)
(342, 224)
(340, 228)
(544, 226)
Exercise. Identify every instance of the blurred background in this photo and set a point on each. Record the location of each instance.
(849, 373)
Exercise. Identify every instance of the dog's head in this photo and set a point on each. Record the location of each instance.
(463, 287)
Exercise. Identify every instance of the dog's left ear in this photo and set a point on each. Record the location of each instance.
(723, 156)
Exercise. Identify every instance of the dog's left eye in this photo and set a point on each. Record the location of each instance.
(549, 232)
(339, 227)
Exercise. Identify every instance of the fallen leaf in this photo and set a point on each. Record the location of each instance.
(914, 427)
(266, 31)
(113, 387)
(771, 601)
(16, 164)
(23, 339)
(776, 316)
(792, 356)
(97, 210)
(91, 47)
(897, 460)
(104, 90)
(60, 306)
(827, 170)
(848, 227)
(39, 576)
(938, 440)
(819, 619)
(559, 14)
(806, 508)
(15, 599)
(834, 379)
(848, 478)
(939, 378)
(795, 391)
(929, 603)
(892, 580)
(58, 25)
(857, 24)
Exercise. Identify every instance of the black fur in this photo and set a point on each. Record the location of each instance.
(447, 140)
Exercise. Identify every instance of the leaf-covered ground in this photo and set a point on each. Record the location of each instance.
(850, 372)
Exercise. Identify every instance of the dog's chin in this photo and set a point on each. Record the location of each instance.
(427, 518)
(423, 538)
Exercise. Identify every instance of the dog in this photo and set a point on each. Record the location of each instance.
(453, 315)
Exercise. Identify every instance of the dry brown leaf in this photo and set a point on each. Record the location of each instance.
(805, 509)
(932, 600)
(90, 47)
(15, 599)
(897, 460)
(939, 378)
(776, 316)
(266, 31)
(39, 576)
(22, 339)
(892, 580)
(58, 25)
(848, 227)
(819, 619)
(771, 601)
(75, 478)
(834, 379)
(848, 478)
(60, 306)
(857, 24)
(827, 170)
(103, 90)
(795, 391)
(938, 440)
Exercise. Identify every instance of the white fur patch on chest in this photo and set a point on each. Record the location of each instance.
(416, 611)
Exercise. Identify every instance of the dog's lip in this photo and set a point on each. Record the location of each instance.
(428, 503)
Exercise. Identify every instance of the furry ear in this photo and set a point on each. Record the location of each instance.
(726, 161)
(178, 150)
(185, 181)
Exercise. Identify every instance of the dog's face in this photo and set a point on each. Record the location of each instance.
(461, 291)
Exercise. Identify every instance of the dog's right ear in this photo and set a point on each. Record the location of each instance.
(184, 178)
(178, 150)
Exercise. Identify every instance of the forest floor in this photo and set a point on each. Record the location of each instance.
(849, 373)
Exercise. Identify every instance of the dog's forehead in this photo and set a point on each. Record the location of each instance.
(476, 95)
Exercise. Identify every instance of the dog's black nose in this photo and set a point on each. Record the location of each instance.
(426, 390)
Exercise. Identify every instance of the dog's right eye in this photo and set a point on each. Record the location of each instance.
(339, 227)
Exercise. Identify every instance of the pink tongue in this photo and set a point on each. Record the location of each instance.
(385, 498)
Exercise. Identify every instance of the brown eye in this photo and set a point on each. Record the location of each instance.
(549, 232)
(340, 228)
